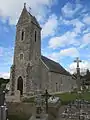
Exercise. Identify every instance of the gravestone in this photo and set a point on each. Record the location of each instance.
(54, 104)
(39, 110)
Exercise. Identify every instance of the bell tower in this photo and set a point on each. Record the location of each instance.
(27, 54)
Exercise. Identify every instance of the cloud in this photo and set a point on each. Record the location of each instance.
(69, 38)
(4, 75)
(54, 56)
(86, 30)
(59, 55)
(76, 23)
(12, 9)
(6, 59)
(49, 28)
(69, 9)
(86, 38)
(86, 19)
(71, 52)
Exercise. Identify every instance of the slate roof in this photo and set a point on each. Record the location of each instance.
(54, 66)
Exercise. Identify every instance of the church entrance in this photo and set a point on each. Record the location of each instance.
(20, 85)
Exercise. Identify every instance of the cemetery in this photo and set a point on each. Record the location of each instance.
(70, 106)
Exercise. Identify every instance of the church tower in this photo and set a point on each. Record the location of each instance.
(25, 71)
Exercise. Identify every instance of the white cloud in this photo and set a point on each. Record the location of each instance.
(71, 52)
(55, 56)
(13, 9)
(66, 39)
(4, 75)
(6, 59)
(76, 23)
(49, 28)
(84, 65)
(86, 38)
(69, 10)
(86, 30)
(86, 19)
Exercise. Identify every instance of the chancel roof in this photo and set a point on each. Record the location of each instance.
(54, 66)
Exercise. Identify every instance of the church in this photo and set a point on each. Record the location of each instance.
(32, 71)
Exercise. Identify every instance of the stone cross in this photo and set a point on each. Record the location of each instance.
(77, 61)
(78, 73)
(46, 95)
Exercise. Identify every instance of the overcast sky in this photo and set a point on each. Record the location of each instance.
(65, 30)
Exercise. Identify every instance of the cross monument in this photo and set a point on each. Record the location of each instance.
(46, 95)
(78, 72)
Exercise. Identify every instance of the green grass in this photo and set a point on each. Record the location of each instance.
(67, 97)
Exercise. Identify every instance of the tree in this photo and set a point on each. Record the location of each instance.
(3, 81)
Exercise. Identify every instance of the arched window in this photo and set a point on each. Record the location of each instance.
(21, 56)
(35, 36)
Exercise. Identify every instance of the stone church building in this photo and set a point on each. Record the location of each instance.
(30, 70)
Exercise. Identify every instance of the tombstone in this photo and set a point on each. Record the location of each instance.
(39, 111)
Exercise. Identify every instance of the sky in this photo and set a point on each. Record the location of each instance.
(65, 31)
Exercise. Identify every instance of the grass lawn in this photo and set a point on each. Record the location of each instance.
(67, 97)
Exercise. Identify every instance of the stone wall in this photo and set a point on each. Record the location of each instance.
(44, 76)
(61, 83)
(20, 108)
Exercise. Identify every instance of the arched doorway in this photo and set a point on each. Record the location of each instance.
(20, 85)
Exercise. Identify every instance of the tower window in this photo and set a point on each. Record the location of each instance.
(35, 36)
(22, 35)
(21, 56)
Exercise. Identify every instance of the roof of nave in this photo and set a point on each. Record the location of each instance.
(54, 66)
